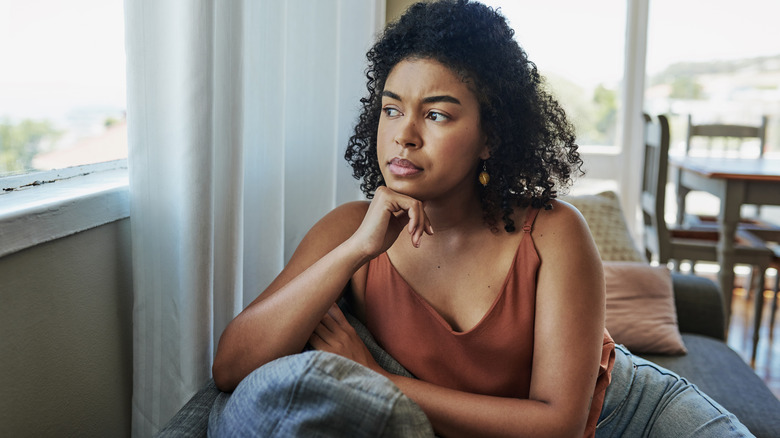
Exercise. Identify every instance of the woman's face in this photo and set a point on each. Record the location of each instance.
(429, 139)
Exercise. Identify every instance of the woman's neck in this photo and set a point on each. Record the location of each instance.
(455, 215)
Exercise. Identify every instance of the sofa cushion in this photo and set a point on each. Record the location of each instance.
(607, 225)
(640, 308)
(699, 305)
(722, 374)
(192, 420)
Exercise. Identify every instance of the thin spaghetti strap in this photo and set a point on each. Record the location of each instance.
(530, 219)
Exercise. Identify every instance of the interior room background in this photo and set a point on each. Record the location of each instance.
(236, 116)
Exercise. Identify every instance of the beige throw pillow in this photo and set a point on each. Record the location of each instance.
(607, 225)
(640, 308)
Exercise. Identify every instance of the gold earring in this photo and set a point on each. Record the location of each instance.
(484, 177)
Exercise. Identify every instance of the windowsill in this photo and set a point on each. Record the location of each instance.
(37, 208)
(599, 149)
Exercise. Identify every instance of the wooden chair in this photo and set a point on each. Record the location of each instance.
(759, 298)
(726, 140)
(719, 140)
(664, 243)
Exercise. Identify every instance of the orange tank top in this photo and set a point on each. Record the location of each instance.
(494, 357)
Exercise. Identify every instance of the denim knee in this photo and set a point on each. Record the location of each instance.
(319, 394)
(645, 399)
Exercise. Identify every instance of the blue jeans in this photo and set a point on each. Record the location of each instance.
(317, 394)
(646, 400)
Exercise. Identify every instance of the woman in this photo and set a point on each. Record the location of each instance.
(464, 266)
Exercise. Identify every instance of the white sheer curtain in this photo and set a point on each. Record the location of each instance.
(238, 114)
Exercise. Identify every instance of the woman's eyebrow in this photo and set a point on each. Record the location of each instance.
(444, 98)
(430, 99)
(391, 95)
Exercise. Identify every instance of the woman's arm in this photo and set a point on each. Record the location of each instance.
(281, 319)
(568, 340)
(275, 324)
(570, 313)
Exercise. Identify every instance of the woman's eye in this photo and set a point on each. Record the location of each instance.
(437, 116)
(391, 112)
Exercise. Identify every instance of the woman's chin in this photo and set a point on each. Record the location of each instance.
(405, 189)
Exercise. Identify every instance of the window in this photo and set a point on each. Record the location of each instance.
(62, 104)
(578, 46)
(718, 61)
(62, 85)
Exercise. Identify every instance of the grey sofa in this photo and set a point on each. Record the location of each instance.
(710, 364)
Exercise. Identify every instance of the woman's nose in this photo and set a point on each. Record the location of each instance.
(408, 135)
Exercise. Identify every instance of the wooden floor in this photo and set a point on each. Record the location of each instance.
(740, 338)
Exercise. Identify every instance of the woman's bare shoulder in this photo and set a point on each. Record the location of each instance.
(561, 217)
(561, 226)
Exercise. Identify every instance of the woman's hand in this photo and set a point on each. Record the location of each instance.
(387, 216)
(335, 334)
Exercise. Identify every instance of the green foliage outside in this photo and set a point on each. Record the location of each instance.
(605, 104)
(19, 143)
(594, 115)
(686, 87)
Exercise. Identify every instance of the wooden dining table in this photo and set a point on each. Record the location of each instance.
(735, 181)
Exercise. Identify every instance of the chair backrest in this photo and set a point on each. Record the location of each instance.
(656, 235)
(726, 140)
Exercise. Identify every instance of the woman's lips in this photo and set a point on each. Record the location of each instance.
(401, 167)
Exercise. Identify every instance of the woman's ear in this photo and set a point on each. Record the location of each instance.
(485, 154)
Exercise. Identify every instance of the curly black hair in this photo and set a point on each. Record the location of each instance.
(532, 144)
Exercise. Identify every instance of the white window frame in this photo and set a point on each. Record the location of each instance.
(624, 163)
(38, 207)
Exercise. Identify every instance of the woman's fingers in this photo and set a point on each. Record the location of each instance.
(418, 220)
(336, 335)
(333, 333)
(331, 322)
(389, 214)
(413, 226)
(322, 332)
(337, 315)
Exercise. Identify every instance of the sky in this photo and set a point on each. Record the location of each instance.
(583, 39)
(41, 74)
(704, 30)
(568, 44)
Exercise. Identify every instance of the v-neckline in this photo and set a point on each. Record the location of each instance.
(435, 313)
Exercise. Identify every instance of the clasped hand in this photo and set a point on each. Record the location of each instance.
(335, 334)
(389, 213)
